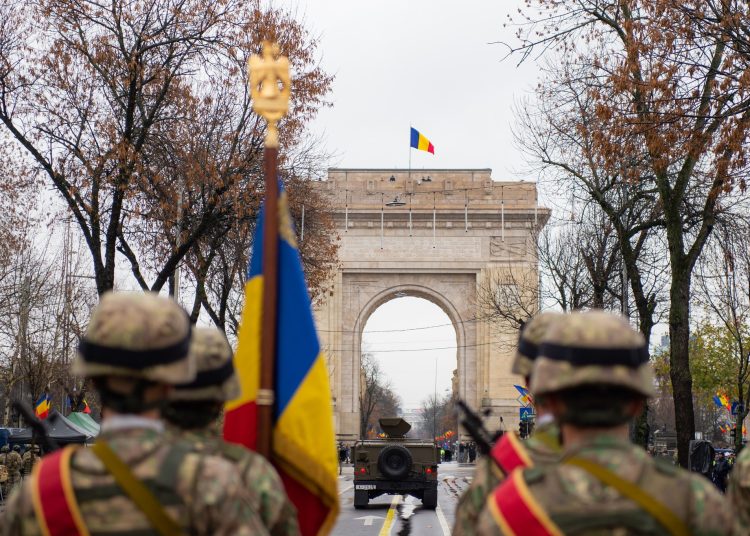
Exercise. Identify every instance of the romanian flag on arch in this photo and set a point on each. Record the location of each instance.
(41, 408)
(420, 142)
(304, 446)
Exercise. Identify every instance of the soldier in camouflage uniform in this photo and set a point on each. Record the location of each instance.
(543, 446)
(13, 463)
(134, 350)
(4, 471)
(739, 487)
(30, 457)
(193, 412)
(593, 372)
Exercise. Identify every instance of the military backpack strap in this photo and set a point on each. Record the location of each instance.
(509, 454)
(137, 491)
(516, 511)
(55, 505)
(647, 502)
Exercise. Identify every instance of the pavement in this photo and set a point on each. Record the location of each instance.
(402, 515)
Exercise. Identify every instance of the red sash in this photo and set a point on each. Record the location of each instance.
(517, 512)
(509, 453)
(54, 500)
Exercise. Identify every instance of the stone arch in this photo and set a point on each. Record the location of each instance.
(432, 295)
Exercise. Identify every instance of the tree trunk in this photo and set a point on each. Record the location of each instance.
(679, 361)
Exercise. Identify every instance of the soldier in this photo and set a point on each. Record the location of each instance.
(13, 464)
(30, 457)
(739, 486)
(542, 447)
(593, 373)
(4, 472)
(135, 479)
(194, 409)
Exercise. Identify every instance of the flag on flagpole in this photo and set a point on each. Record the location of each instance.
(420, 142)
(41, 408)
(304, 445)
(525, 394)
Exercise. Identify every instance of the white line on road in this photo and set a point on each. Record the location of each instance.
(443, 522)
(345, 490)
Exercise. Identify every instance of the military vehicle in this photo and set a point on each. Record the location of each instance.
(395, 466)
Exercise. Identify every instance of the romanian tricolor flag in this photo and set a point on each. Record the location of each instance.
(725, 401)
(304, 446)
(41, 408)
(525, 394)
(418, 141)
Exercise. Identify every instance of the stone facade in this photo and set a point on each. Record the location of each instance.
(441, 235)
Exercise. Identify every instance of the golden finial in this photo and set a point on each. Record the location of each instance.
(269, 88)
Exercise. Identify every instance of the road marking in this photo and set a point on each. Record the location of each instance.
(345, 490)
(368, 519)
(443, 522)
(386, 529)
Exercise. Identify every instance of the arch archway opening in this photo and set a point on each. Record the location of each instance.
(409, 358)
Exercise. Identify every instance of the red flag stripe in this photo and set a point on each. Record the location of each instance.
(509, 453)
(517, 512)
(53, 496)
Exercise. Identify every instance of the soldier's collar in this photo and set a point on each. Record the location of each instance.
(130, 422)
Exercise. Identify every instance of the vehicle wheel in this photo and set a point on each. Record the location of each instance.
(394, 462)
(429, 500)
(361, 499)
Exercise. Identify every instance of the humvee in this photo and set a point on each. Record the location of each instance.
(395, 466)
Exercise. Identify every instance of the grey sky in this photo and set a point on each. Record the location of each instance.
(421, 62)
(415, 343)
(428, 64)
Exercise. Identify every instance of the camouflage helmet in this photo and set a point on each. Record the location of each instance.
(592, 348)
(215, 378)
(529, 338)
(138, 335)
(35, 448)
(17, 448)
(4, 449)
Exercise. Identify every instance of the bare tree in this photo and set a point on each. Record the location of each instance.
(724, 288)
(138, 115)
(376, 398)
(680, 102)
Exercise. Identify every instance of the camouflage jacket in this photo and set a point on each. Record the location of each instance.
(260, 478)
(543, 446)
(202, 492)
(739, 487)
(13, 463)
(578, 503)
(29, 459)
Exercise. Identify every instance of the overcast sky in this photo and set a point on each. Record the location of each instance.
(428, 64)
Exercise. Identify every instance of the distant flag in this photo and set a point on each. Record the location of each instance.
(525, 394)
(86, 408)
(304, 444)
(41, 408)
(420, 142)
(717, 401)
(725, 401)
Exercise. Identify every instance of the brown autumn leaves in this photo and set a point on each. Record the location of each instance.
(137, 115)
(649, 105)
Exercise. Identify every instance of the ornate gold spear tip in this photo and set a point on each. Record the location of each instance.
(269, 88)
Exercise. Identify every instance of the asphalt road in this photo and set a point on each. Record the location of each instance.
(403, 515)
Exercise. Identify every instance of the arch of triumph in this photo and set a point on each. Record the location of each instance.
(438, 234)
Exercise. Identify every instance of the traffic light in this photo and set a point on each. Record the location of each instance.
(524, 429)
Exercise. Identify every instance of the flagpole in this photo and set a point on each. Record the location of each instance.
(271, 102)
(265, 400)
